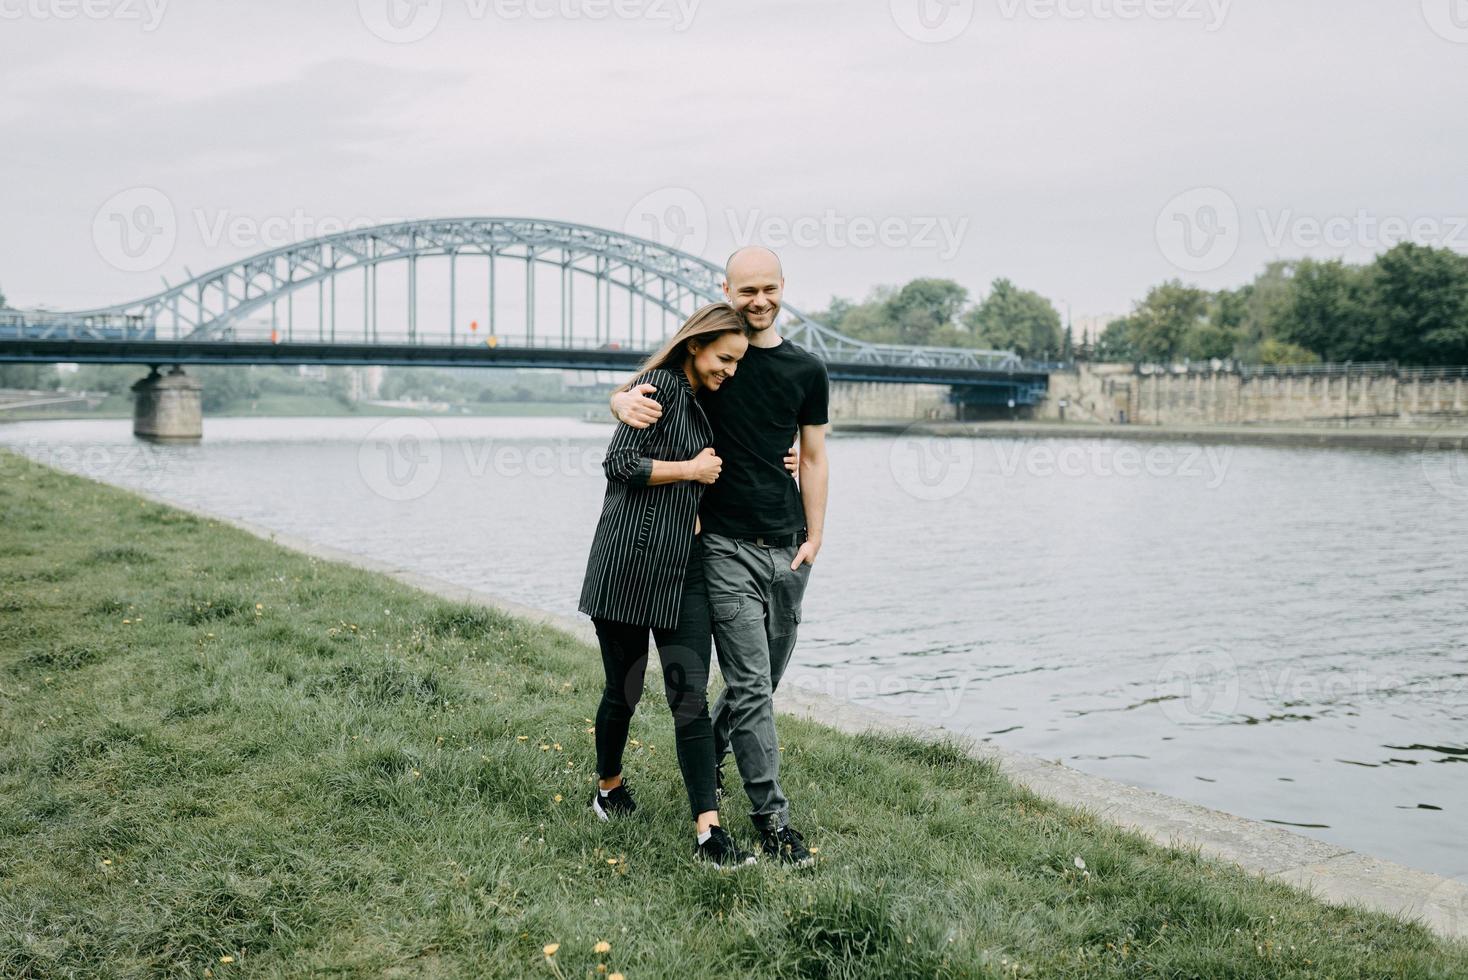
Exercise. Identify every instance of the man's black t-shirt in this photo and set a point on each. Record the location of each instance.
(756, 415)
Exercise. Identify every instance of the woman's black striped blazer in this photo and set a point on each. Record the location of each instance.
(640, 552)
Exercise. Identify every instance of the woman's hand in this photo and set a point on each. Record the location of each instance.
(706, 466)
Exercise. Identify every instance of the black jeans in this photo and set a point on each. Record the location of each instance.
(684, 651)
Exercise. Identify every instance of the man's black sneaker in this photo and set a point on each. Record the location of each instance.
(721, 851)
(616, 803)
(787, 846)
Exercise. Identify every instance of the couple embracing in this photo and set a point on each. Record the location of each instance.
(705, 536)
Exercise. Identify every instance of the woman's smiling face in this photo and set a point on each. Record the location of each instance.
(716, 361)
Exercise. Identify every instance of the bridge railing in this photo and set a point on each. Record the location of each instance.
(30, 324)
(45, 325)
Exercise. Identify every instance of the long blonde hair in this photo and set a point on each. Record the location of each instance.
(708, 322)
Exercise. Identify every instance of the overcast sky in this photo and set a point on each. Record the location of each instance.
(1083, 148)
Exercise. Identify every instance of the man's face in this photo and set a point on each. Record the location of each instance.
(754, 287)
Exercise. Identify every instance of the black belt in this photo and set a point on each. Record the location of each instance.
(773, 540)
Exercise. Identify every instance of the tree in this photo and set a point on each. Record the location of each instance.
(1421, 305)
(1161, 322)
(1010, 318)
(1329, 312)
(924, 308)
(1208, 340)
(1276, 351)
(31, 377)
(1115, 343)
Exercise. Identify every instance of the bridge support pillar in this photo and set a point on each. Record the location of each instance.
(168, 407)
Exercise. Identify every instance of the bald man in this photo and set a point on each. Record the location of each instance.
(761, 531)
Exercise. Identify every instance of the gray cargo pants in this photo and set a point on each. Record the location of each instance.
(755, 601)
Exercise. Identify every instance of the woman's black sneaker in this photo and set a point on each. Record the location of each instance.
(721, 851)
(616, 803)
(787, 846)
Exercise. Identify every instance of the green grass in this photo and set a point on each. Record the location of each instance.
(211, 746)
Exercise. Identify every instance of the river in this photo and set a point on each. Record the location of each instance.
(1279, 633)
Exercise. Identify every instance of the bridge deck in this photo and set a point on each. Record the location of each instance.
(163, 352)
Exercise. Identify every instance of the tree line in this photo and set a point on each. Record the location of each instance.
(938, 312)
(1409, 305)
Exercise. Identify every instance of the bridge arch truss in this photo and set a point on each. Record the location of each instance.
(626, 274)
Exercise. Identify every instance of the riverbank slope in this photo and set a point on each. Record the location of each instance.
(212, 746)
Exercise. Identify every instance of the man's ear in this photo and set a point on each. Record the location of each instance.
(725, 285)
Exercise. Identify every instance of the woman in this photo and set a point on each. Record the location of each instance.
(645, 572)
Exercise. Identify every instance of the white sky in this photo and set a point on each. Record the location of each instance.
(1051, 143)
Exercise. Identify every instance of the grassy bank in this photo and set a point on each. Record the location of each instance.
(212, 747)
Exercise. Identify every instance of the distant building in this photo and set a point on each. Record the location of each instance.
(1088, 327)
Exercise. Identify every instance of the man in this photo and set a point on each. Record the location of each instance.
(761, 532)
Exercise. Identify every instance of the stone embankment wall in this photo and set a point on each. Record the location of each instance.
(1385, 397)
(871, 401)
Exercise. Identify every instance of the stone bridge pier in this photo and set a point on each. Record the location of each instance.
(168, 407)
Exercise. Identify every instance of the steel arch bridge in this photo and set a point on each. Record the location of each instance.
(211, 317)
